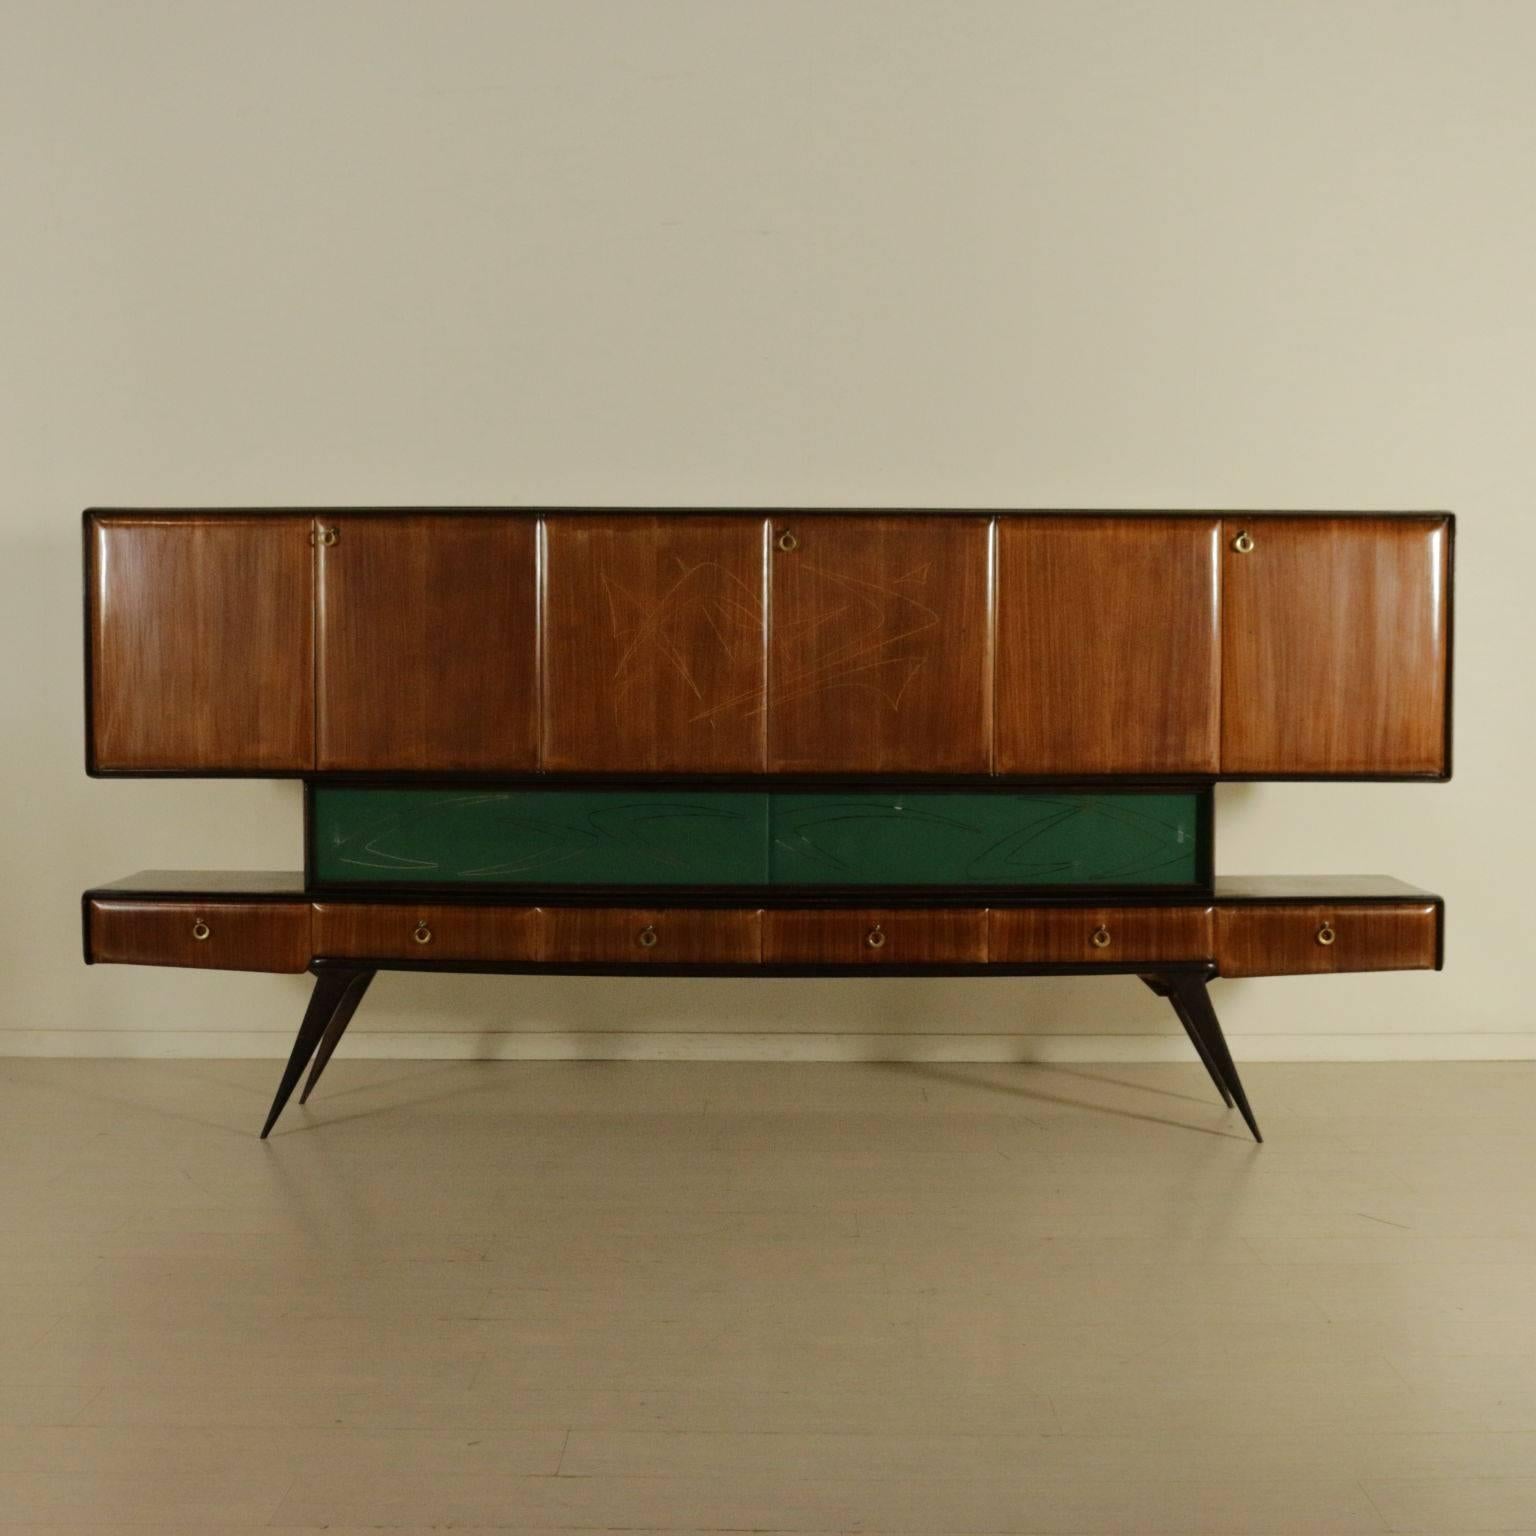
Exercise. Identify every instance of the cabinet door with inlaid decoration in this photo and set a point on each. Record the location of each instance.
(653, 643)
(880, 654)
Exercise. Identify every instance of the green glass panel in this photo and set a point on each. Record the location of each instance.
(540, 836)
(659, 837)
(1000, 839)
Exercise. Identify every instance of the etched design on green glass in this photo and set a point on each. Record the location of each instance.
(541, 836)
(999, 839)
(639, 837)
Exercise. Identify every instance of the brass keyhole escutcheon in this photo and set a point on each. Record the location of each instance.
(647, 937)
(1243, 543)
(423, 934)
(788, 542)
(1325, 934)
(875, 938)
(1101, 937)
(200, 930)
(325, 536)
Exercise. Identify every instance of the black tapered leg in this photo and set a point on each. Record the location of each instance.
(1162, 989)
(1193, 1001)
(331, 985)
(336, 1029)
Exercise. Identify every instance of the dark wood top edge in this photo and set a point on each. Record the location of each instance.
(704, 509)
(760, 783)
(556, 778)
(288, 885)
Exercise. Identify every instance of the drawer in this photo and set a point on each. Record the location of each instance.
(222, 936)
(370, 931)
(870, 936)
(1295, 940)
(1073, 935)
(651, 935)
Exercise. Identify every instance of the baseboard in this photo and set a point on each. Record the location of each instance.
(598, 1045)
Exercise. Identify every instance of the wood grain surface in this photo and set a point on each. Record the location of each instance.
(654, 644)
(904, 936)
(1108, 645)
(683, 936)
(427, 636)
(388, 931)
(1065, 935)
(1284, 940)
(240, 936)
(881, 645)
(201, 643)
(1335, 643)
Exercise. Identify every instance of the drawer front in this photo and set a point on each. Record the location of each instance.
(1304, 940)
(871, 936)
(221, 936)
(366, 931)
(1084, 935)
(651, 935)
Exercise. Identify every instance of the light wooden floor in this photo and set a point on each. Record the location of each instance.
(804, 1298)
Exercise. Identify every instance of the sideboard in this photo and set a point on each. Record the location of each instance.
(766, 742)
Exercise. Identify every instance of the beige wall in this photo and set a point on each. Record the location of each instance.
(1214, 255)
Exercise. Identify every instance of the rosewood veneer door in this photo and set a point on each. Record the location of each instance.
(1108, 653)
(1335, 635)
(201, 643)
(653, 644)
(427, 635)
(880, 652)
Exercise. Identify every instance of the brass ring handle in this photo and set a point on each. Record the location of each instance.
(200, 930)
(1101, 937)
(326, 536)
(788, 542)
(875, 938)
(1325, 934)
(647, 936)
(1243, 542)
(423, 934)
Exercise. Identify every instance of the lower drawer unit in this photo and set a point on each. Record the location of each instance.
(1259, 926)
(873, 936)
(1297, 940)
(659, 936)
(389, 931)
(1088, 935)
(222, 936)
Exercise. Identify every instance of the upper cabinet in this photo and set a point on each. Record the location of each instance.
(200, 643)
(1108, 648)
(427, 629)
(880, 656)
(1335, 645)
(1036, 645)
(655, 644)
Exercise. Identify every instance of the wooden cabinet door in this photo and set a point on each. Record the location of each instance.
(880, 649)
(653, 644)
(1335, 636)
(1108, 659)
(201, 644)
(427, 635)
